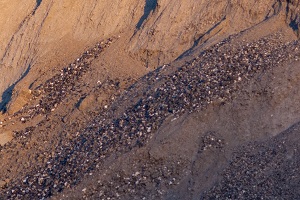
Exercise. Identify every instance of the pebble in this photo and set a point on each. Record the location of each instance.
(262, 170)
(218, 72)
(23, 120)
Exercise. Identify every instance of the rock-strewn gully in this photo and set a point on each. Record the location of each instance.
(130, 121)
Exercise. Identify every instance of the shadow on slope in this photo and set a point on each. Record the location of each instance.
(7, 94)
(150, 6)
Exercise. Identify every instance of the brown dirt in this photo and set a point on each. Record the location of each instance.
(70, 67)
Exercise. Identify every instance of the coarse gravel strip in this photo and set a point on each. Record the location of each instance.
(263, 170)
(213, 77)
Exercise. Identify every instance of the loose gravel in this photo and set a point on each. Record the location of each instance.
(131, 121)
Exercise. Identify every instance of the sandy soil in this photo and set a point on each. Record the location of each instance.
(159, 100)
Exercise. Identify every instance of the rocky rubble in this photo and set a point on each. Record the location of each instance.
(48, 96)
(262, 170)
(53, 91)
(213, 77)
(140, 184)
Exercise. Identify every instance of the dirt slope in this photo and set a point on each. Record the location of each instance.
(85, 115)
(187, 155)
(53, 33)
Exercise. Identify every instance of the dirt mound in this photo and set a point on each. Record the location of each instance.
(144, 99)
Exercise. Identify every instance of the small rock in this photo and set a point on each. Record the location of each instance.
(23, 120)
(2, 183)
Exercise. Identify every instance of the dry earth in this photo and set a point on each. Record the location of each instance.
(152, 99)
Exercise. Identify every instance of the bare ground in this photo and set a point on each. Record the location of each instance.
(216, 119)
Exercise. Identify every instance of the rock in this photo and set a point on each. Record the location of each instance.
(2, 183)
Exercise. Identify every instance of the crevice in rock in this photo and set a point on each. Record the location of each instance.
(204, 37)
(276, 8)
(149, 7)
(38, 3)
(292, 15)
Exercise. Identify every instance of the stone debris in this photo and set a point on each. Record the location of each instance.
(53, 91)
(130, 120)
(262, 170)
(141, 184)
(211, 140)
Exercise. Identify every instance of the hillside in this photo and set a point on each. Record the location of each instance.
(149, 99)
